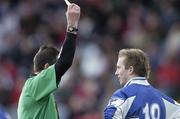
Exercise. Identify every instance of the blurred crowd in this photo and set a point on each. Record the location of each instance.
(105, 27)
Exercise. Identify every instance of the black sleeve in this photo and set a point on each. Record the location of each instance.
(66, 57)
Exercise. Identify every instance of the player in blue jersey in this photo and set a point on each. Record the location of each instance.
(138, 99)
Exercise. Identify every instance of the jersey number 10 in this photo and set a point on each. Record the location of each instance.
(151, 111)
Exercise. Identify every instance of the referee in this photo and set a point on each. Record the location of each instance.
(37, 100)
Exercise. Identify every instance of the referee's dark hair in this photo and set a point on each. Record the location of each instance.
(46, 54)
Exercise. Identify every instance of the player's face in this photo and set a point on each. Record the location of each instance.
(121, 72)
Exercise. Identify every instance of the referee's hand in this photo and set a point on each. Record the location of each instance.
(72, 15)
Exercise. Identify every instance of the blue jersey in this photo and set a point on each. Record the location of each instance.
(139, 100)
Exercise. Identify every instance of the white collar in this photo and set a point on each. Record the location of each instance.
(137, 80)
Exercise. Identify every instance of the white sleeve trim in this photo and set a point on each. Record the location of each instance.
(122, 107)
(172, 110)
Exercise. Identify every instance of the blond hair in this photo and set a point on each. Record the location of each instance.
(138, 59)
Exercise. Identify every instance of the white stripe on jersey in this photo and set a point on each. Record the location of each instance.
(119, 114)
(170, 109)
(176, 115)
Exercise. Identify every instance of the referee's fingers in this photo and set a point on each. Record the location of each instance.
(73, 7)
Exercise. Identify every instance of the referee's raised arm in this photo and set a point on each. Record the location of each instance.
(68, 49)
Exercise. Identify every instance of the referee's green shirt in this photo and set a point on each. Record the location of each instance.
(37, 99)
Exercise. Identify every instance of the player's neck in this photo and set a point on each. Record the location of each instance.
(132, 76)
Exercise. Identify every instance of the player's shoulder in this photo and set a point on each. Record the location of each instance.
(121, 98)
(119, 94)
(165, 97)
(126, 92)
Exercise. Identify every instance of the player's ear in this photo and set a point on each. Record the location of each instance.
(131, 69)
(46, 65)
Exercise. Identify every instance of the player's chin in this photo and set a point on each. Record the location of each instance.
(120, 82)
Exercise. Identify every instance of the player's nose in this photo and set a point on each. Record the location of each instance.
(116, 72)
